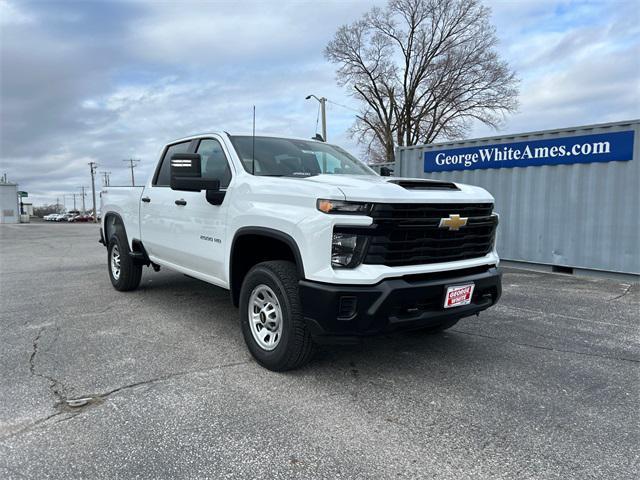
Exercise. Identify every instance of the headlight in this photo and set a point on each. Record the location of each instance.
(347, 249)
(339, 206)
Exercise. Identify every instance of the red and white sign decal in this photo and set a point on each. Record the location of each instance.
(458, 295)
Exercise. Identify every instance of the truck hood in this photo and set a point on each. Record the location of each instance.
(371, 188)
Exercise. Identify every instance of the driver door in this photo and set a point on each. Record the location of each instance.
(201, 226)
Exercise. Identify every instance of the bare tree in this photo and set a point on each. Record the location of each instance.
(424, 70)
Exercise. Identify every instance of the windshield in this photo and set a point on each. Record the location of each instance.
(285, 157)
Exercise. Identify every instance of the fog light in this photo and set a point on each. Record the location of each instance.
(346, 249)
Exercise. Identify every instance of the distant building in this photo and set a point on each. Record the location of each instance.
(27, 208)
(9, 206)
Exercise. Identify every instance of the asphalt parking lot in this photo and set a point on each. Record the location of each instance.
(544, 385)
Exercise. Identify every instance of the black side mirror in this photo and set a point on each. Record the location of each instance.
(385, 171)
(187, 176)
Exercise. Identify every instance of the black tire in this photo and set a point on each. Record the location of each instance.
(130, 273)
(295, 346)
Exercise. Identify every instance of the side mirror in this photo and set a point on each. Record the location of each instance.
(187, 176)
(385, 171)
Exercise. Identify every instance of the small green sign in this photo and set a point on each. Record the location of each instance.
(23, 194)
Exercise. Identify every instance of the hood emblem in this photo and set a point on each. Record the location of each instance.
(453, 223)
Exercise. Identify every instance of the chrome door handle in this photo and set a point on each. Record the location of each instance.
(181, 202)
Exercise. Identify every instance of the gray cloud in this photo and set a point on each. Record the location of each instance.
(107, 81)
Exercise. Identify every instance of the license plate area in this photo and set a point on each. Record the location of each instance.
(458, 295)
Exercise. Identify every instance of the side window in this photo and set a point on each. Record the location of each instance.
(214, 162)
(163, 177)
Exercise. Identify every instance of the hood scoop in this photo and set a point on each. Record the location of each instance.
(424, 184)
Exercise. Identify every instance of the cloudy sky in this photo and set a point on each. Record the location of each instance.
(103, 81)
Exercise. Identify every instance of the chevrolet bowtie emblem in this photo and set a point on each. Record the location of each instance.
(454, 222)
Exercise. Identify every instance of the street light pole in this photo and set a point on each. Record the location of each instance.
(323, 113)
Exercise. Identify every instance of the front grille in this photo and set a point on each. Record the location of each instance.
(409, 234)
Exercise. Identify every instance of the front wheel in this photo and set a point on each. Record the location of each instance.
(124, 274)
(271, 319)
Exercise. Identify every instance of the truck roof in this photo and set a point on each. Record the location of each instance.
(243, 134)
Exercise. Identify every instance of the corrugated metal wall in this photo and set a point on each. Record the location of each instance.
(579, 215)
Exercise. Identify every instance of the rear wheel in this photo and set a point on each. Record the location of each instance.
(271, 319)
(124, 274)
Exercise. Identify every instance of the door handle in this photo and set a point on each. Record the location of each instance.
(145, 199)
(181, 202)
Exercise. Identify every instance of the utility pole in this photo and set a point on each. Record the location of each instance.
(133, 162)
(74, 200)
(105, 178)
(57, 204)
(323, 113)
(84, 210)
(93, 166)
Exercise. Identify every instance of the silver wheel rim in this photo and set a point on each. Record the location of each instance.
(265, 317)
(115, 262)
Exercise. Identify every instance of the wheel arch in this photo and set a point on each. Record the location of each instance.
(112, 221)
(270, 244)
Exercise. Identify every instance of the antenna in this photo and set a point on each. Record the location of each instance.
(253, 144)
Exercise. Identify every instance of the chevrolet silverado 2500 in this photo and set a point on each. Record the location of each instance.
(313, 245)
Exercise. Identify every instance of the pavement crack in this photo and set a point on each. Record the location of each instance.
(164, 378)
(55, 385)
(618, 297)
(64, 407)
(34, 352)
(541, 347)
(32, 425)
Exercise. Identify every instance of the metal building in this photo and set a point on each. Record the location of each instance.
(567, 198)
(9, 209)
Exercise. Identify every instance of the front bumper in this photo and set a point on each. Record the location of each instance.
(342, 313)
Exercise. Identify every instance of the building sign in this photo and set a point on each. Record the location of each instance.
(603, 147)
(23, 194)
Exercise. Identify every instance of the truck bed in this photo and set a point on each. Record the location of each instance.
(124, 201)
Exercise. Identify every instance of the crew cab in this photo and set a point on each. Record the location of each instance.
(313, 245)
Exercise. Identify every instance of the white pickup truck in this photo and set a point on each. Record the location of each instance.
(313, 245)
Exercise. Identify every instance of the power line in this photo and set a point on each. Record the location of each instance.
(343, 106)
